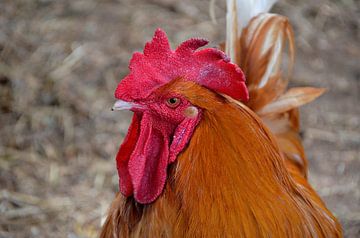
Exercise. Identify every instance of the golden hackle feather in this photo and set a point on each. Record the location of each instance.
(231, 181)
(282, 117)
(242, 174)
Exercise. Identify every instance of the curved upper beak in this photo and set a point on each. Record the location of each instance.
(123, 105)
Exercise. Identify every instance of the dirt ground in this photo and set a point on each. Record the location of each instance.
(60, 62)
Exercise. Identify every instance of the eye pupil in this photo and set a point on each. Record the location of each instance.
(172, 100)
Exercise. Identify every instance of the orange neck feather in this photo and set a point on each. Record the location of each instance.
(231, 180)
(232, 177)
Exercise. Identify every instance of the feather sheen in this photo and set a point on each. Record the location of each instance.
(233, 183)
(265, 50)
(244, 171)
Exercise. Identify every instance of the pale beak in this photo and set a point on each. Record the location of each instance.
(123, 105)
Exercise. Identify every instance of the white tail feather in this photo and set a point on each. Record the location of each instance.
(248, 9)
(239, 13)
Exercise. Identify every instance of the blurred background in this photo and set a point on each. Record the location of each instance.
(60, 61)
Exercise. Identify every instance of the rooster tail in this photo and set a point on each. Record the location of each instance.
(262, 44)
(236, 22)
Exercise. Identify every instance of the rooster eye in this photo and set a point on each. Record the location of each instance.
(173, 102)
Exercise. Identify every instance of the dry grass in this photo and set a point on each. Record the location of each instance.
(61, 60)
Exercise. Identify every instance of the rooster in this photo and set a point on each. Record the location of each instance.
(209, 154)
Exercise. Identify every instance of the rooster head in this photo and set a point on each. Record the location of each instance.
(164, 120)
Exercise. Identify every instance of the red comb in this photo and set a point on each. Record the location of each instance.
(159, 64)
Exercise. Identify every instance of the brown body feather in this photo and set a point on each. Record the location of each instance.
(231, 181)
(244, 172)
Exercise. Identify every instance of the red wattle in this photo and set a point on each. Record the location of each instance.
(143, 158)
(148, 163)
(146, 152)
(122, 157)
